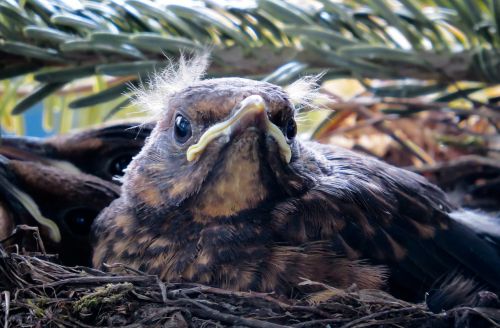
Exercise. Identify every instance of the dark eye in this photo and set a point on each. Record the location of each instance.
(182, 129)
(80, 220)
(119, 164)
(291, 129)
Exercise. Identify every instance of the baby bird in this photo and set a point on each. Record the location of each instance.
(225, 194)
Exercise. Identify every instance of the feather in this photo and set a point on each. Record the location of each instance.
(305, 91)
(153, 97)
(454, 290)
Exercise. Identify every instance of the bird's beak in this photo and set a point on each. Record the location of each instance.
(251, 112)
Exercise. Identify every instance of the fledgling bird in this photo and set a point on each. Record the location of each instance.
(104, 151)
(61, 204)
(223, 193)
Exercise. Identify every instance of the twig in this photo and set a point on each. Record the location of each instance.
(265, 297)
(7, 308)
(151, 302)
(477, 311)
(99, 280)
(376, 315)
(207, 312)
(397, 134)
(316, 323)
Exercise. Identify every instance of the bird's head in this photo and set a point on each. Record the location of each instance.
(222, 145)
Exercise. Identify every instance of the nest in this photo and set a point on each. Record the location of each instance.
(38, 292)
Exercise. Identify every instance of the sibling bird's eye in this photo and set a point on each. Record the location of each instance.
(119, 164)
(182, 129)
(80, 220)
(291, 129)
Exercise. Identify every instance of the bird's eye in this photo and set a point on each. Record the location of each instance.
(291, 129)
(79, 221)
(182, 129)
(119, 164)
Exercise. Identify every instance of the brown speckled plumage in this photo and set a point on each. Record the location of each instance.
(241, 218)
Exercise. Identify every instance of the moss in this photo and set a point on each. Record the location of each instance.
(107, 295)
(36, 306)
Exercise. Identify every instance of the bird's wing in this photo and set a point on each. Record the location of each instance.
(394, 217)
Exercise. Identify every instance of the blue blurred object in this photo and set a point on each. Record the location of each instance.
(33, 119)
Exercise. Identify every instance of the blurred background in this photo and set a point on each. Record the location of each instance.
(412, 82)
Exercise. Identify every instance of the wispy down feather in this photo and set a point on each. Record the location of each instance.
(153, 96)
(305, 91)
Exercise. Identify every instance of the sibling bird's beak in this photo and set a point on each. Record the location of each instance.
(249, 113)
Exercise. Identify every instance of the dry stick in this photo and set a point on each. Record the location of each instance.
(89, 270)
(458, 129)
(125, 268)
(315, 323)
(7, 308)
(156, 315)
(98, 280)
(392, 322)
(73, 322)
(36, 269)
(473, 163)
(207, 312)
(163, 290)
(18, 280)
(397, 134)
(199, 289)
(201, 311)
(478, 104)
(309, 309)
(400, 138)
(375, 315)
(366, 123)
(24, 227)
(480, 313)
(265, 297)
(160, 313)
(408, 103)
